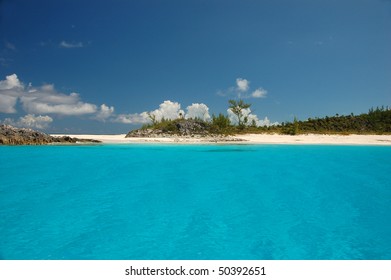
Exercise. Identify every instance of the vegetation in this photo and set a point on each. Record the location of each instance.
(376, 121)
(237, 107)
(221, 124)
(165, 125)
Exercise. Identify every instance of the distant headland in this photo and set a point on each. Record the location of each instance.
(375, 122)
(10, 135)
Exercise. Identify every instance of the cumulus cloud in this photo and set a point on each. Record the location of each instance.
(76, 109)
(8, 103)
(133, 118)
(35, 121)
(46, 100)
(267, 122)
(10, 82)
(197, 111)
(105, 112)
(69, 45)
(31, 121)
(168, 110)
(242, 90)
(259, 93)
(242, 85)
(10, 90)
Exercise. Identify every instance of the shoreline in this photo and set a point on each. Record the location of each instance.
(246, 139)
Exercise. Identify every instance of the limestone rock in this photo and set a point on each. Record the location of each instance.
(10, 135)
(183, 131)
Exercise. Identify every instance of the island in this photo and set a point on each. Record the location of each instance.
(372, 128)
(10, 135)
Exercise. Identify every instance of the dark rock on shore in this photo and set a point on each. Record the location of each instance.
(180, 127)
(183, 130)
(10, 135)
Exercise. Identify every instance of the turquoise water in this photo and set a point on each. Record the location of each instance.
(195, 202)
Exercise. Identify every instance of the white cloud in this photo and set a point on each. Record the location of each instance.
(168, 110)
(266, 122)
(198, 110)
(31, 121)
(104, 112)
(35, 121)
(242, 90)
(10, 89)
(46, 100)
(68, 45)
(76, 109)
(133, 118)
(259, 93)
(8, 103)
(242, 84)
(10, 82)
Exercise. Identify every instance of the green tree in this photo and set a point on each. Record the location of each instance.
(221, 122)
(295, 126)
(152, 117)
(237, 108)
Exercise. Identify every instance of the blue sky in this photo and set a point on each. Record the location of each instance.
(96, 66)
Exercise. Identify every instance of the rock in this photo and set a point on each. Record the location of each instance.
(183, 131)
(191, 127)
(178, 127)
(10, 135)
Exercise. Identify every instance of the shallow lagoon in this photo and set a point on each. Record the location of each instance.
(195, 202)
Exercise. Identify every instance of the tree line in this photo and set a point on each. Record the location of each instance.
(376, 121)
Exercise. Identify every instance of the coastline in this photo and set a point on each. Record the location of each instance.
(256, 139)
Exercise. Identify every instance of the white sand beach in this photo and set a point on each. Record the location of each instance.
(248, 139)
(352, 139)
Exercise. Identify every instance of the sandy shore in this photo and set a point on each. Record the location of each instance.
(318, 139)
(250, 139)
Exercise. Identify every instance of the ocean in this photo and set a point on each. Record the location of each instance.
(190, 202)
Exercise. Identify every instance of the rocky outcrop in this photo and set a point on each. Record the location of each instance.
(10, 135)
(182, 130)
(191, 127)
(180, 127)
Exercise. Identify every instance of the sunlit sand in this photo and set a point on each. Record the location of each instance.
(249, 139)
